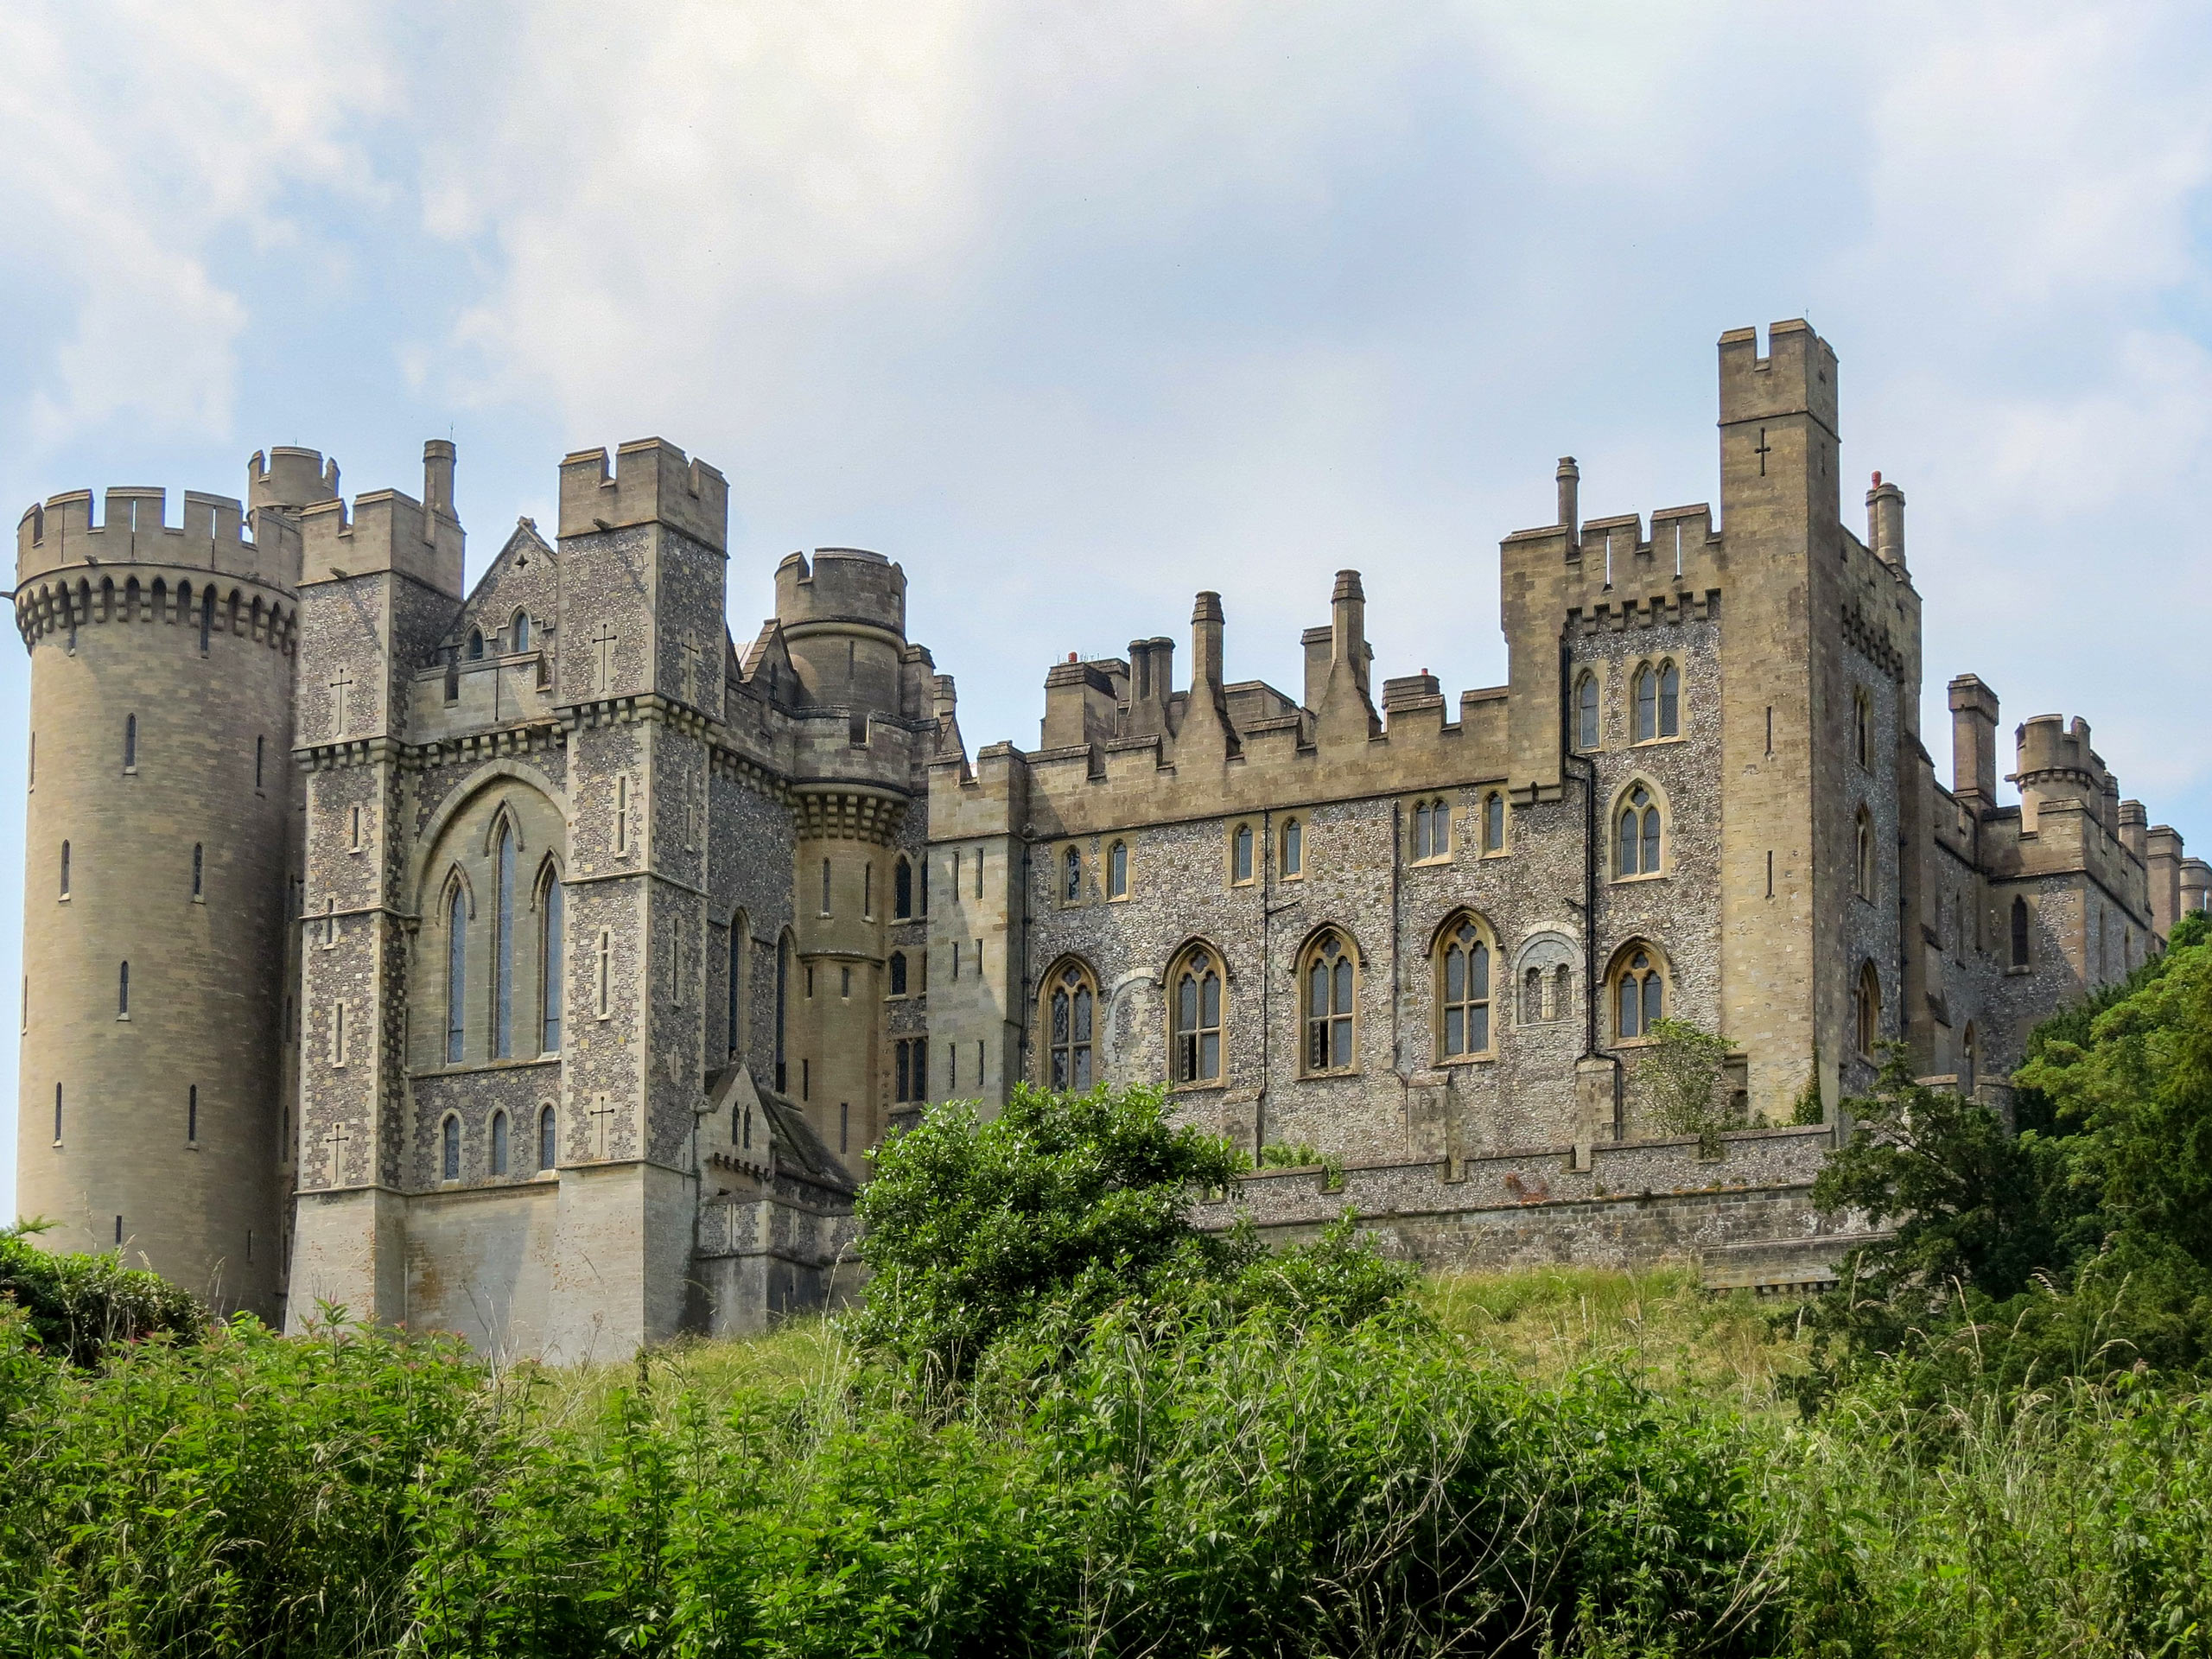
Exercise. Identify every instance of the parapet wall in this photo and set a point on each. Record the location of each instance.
(1746, 1218)
(132, 529)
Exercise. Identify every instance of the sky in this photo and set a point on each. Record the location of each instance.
(1077, 309)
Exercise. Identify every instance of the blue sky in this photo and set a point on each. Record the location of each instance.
(1075, 310)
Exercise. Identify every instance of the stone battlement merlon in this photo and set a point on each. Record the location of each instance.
(1797, 376)
(651, 482)
(131, 529)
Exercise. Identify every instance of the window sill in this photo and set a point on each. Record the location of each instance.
(1634, 1042)
(1642, 875)
(2019, 968)
(1658, 742)
(1488, 1057)
(1200, 1088)
(1497, 852)
(1434, 859)
(198, 897)
(1331, 1075)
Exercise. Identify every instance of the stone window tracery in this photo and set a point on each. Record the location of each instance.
(1329, 1018)
(1463, 991)
(1071, 1009)
(1637, 834)
(1639, 994)
(1195, 1014)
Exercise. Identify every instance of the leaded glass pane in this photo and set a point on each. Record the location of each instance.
(1455, 1023)
(1210, 1056)
(1343, 988)
(1455, 975)
(1670, 704)
(1082, 1014)
(1478, 1028)
(1651, 839)
(1478, 972)
(1628, 842)
(1653, 992)
(1210, 1000)
(1059, 1017)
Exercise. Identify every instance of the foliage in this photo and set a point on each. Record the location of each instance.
(1807, 1109)
(78, 1305)
(1680, 1072)
(1302, 1154)
(974, 1226)
(2078, 1249)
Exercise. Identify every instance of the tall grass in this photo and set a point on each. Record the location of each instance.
(1555, 1462)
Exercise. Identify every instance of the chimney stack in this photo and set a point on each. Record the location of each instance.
(1570, 480)
(437, 477)
(1973, 741)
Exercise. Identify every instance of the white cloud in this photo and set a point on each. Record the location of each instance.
(142, 139)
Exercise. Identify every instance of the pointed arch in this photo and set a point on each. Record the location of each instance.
(1639, 989)
(1638, 817)
(548, 1148)
(786, 948)
(1862, 857)
(457, 912)
(1197, 1014)
(733, 973)
(549, 898)
(1463, 958)
(500, 1142)
(1866, 1011)
(1067, 1018)
(1589, 732)
(449, 1147)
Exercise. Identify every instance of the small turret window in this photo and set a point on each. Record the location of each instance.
(123, 992)
(1493, 822)
(1864, 856)
(1866, 1011)
(1117, 870)
(192, 1114)
(65, 869)
(1861, 719)
(260, 749)
(130, 742)
(199, 870)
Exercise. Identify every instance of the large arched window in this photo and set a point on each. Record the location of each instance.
(1463, 973)
(734, 986)
(783, 1009)
(1866, 1011)
(550, 904)
(1639, 993)
(456, 973)
(1863, 856)
(1329, 1019)
(902, 889)
(503, 946)
(1194, 1000)
(1071, 1010)
(2019, 932)
(1637, 834)
(1585, 712)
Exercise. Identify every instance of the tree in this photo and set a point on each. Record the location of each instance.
(973, 1228)
(79, 1304)
(1680, 1074)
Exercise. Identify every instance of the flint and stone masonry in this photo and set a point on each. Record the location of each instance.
(539, 962)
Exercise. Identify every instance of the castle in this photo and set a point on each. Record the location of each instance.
(538, 962)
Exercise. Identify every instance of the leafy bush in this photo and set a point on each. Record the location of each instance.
(973, 1227)
(78, 1305)
(1680, 1074)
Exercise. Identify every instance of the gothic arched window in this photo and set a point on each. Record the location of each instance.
(1463, 991)
(1240, 854)
(1293, 848)
(1329, 1017)
(546, 1148)
(503, 947)
(519, 631)
(449, 1148)
(456, 973)
(1670, 700)
(1071, 1006)
(1637, 835)
(1494, 822)
(2019, 932)
(1863, 856)
(1866, 1011)
(476, 644)
(498, 1143)
(1585, 712)
(902, 889)
(898, 972)
(1117, 870)
(1194, 997)
(1639, 994)
(1861, 719)
(550, 906)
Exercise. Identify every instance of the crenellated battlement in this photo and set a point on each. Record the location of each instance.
(131, 527)
(841, 585)
(653, 482)
(1797, 376)
(384, 531)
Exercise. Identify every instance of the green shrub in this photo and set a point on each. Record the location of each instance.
(78, 1305)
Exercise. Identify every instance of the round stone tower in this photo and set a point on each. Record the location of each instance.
(159, 852)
